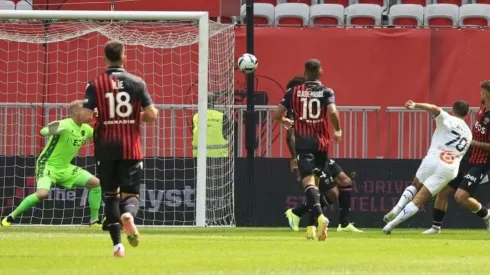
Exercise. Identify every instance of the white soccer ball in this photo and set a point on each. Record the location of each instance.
(247, 63)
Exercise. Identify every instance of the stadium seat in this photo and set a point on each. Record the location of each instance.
(480, 1)
(423, 3)
(224, 19)
(441, 15)
(23, 5)
(7, 5)
(344, 3)
(326, 15)
(363, 14)
(454, 2)
(292, 14)
(406, 15)
(383, 3)
(263, 14)
(474, 15)
(272, 2)
(307, 2)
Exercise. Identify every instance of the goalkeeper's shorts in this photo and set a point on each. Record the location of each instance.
(68, 177)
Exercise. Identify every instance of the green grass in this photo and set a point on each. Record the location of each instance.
(60, 250)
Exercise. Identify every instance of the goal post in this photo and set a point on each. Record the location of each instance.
(174, 52)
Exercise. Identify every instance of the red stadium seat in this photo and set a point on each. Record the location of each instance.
(454, 2)
(482, 1)
(273, 2)
(406, 15)
(415, 2)
(307, 2)
(377, 2)
(440, 22)
(441, 15)
(405, 22)
(475, 22)
(363, 21)
(474, 15)
(344, 3)
(326, 21)
(327, 15)
(363, 14)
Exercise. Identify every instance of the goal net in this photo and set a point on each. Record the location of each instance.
(45, 64)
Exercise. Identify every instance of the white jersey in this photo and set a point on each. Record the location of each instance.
(452, 137)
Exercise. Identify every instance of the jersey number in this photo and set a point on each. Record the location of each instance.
(461, 141)
(117, 102)
(311, 108)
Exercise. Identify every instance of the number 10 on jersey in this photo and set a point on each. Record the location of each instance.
(311, 108)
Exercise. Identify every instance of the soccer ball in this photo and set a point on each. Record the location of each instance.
(247, 63)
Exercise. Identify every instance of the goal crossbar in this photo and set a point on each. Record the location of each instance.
(203, 19)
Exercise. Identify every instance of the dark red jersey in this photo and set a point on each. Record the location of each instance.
(119, 97)
(309, 102)
(481, 133)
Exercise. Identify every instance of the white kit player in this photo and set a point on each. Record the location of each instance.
(450, 141)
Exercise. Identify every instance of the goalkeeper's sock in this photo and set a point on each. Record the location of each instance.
(94, 198)
(29, 202)
(130, 205)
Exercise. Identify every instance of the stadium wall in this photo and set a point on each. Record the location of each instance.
(380, 67)
(377, 187)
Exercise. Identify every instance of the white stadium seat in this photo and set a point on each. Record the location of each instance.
(326, 14)
(23, 5)
(371, 12)
(7, 5)
(406, 11)
(474, 14)
(442, 14)
(261, 10)
(292, 14)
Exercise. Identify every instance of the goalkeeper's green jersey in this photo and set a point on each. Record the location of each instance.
(61, 149)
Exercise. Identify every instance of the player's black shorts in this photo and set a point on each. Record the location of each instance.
(469, 177)
(311, 163)
(333, 170)
(123, 174)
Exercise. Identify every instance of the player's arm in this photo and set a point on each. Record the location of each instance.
(434, 110)
(334, 113)
(53, 128)
(150, 112)
(482, 145)
(281, 109)
(89, 104)
(291, 141)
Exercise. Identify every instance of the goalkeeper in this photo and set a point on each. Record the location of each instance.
(53, 166)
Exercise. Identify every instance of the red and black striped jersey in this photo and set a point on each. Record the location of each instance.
(119, 98)
(481, 133)
(308, 103)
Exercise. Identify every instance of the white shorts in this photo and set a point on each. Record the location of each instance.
(435, 174)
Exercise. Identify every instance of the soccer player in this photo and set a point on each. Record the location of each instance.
(473, 172)
(53, 166)
(123, 101)
(337, 191)
(311, 103)
(450, 141)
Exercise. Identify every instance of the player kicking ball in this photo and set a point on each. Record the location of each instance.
(53, 166)
(450, 141)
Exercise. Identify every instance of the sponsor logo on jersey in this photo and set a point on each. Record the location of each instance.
(480, 128)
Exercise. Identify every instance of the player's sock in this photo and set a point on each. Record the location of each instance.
(313, 201)
(29, 202)
(131, 205)
(94, 198)
(406, 197)
(438, 216)
(482, 212)
(300, 210)
(344, 205)
(113, 216)
(406, 213)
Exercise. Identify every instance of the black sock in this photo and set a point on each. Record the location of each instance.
(344, 205)
(438, 216)
(311, 219)
(483, 212)
(131, 205)
(113, 216)
(313, 200)
(300, 210)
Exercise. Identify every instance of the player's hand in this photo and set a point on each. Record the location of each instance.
(410, 105)
(287, 123)
(96, 112)
(337, 136)
(293, 164)
(54, 128)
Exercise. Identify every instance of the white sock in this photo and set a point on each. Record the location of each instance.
(406, 213)
(406, 197)
(119, 247)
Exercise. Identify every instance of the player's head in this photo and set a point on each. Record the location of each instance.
(313, 69)
(295, 81)
(461, 108)
(114, 53)
(485, 92)
(74, 108)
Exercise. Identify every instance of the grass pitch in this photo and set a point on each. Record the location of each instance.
(60, 250)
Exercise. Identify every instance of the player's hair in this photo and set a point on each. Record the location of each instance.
(312, 69)
(295, 81)
(485, 85)
(461, 108)
(74, 106)
(114, 50)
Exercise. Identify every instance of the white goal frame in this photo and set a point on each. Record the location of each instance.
(203, 41)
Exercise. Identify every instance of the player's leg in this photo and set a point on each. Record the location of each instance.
(468, 187)
(108, 175)
(440, 207)
(426, 168)
(130, 172)
(43, 184)
(78, 177)
(432, 185)
(308, 167)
